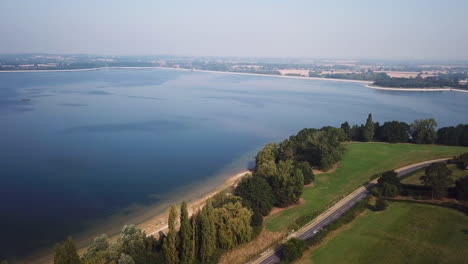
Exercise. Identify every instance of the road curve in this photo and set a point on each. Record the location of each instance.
(274, 255)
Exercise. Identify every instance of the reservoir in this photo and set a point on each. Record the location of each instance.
(93, 150)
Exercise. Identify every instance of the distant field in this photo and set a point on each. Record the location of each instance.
(361, 161)
(414, 178)
(403, 233)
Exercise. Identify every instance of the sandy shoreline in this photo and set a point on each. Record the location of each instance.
(428, 89)
(368, 83)
(182, 69)
(153, 224)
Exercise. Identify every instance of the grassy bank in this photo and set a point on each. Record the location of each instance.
(361, 161)
(403, 233)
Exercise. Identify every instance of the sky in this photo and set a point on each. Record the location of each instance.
(393, 29)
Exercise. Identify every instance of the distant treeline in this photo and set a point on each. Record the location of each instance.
(421, 131)
(442, 80)
(364, 76)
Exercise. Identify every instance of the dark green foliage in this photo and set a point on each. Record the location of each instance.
(187, 243)
(256, 193)
(388, 184)
(368, 132)
(321, 148)
(395, 132)
(381, 204)
(461, 189)
(390, 177)
(287, 184)
(356, 132)
(171, 254)
(347, 130)
(306, 170)
(268, 153)
(455, 136)
(4, 262)
(441, 80)
(388, 190)
(207, 234)
(293, 249)
(437, 177)
(257, 219)
(65, 253)
(423, 131)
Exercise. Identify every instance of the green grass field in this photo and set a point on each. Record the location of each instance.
(362, 160)
(403, 233)
(414, 177)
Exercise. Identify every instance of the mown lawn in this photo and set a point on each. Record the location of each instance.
(403, 233)
(361, 161)
(414, 177)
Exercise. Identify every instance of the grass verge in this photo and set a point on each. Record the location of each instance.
(361, 161)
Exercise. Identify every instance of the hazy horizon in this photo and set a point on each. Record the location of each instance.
(394, 30)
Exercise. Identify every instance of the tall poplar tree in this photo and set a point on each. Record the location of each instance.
(368, 133)
(186, 236)
(171, 254)
(207, 233)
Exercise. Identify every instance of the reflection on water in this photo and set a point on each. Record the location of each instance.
(85, 145)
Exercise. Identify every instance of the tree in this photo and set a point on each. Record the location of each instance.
(423, 131)
(321, 148)
(356, 133)
(186, 236)
(207, 233)
(437, 176)
(368, 132)
(233, 225)
(461, 188)
(381, 204)
(268, 153)
(100, 244)
(132, 243)
(307, 172)
(256, 194)
(293, 249)
(390, 177)
(388, 190)
(169, 246)
(287, 184)
(395, 132)
(347, 130)
(65, 253)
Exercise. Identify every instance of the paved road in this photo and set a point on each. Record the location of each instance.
(275, 256)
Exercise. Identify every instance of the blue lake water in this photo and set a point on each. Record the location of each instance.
(77, 147)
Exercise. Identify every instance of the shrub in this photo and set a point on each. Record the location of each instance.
(293, 249)
(381, 204)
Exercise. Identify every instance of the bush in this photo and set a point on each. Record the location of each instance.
(381, 204)
(293, 249)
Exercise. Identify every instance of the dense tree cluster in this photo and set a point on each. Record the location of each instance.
(196, 240)
(437, 177)
(421, 131)
(455, 136)
(441, 80)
